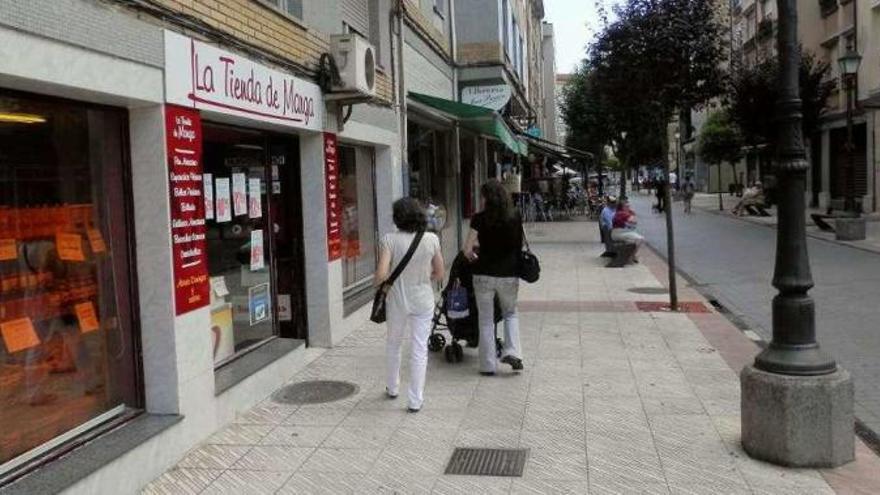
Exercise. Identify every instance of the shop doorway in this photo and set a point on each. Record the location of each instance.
(254, 239)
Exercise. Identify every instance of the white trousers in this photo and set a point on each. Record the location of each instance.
(416, 329)
(507, 290)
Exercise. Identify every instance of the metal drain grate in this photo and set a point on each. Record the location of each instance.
(648, 290)
(487, 462)
(314, 392)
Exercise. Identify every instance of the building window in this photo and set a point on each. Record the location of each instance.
(290, 7)
(356, 185)
(516, 46)
(67, 339)
(521, 65)
(505, 24)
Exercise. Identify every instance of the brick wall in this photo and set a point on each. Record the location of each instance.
(268, 29)
(479, 52)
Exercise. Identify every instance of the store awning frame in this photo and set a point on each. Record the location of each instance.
(484, 121)
(562, 152)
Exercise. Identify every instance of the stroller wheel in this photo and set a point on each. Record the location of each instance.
(436, 342)
(458, 352)
(449, 354)
(473, 342)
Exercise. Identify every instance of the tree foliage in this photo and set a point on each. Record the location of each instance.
(657, 57)
(720, 139)
(753, 92)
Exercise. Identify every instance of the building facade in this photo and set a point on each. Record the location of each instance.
(187, 204)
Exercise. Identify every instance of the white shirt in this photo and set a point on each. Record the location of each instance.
(412, 292)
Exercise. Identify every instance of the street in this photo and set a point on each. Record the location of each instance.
(732, 261)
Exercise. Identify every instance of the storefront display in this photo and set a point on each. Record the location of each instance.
(357, 192)
(67, 353)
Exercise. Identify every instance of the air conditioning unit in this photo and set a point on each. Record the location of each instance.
(356, 60)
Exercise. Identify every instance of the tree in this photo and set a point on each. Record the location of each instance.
(721, 141)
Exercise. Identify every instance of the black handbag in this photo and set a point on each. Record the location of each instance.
(529, 266)
(377, 315)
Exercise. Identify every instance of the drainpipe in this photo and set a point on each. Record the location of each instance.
(456, 152)
(401, 101)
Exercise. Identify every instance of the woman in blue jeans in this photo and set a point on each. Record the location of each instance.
(494, 244)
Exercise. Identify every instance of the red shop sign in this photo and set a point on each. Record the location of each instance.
(183, 135)
(334, 201)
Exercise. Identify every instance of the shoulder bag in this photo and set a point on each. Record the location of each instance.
(377, 315)
(529, 267)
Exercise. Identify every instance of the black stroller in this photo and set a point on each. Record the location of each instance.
(467, 328)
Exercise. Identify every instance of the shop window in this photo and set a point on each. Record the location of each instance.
(67, 345)
(356, 184)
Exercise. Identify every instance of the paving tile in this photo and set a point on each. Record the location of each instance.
(599, 488)
(266, 413)
(240, 434)
(316, 417)
(237, 482)
(323, 484)
(672, 405)
(297, 436)
(274, 458)
(340, 460)
(415, 462)
(554, 419)
(501, 439)
(560, 466)
(213, 456)
(385, 419)
(548, 487)
(345, 437)
(182, 481)
(554, 440)
(455, 485)
(399, 483)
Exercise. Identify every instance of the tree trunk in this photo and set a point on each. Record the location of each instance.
(720, 193)
(670, 233)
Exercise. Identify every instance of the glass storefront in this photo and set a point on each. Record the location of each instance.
(253, 238)
(357, 186)
(67, 346)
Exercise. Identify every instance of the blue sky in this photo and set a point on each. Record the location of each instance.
(574, 22)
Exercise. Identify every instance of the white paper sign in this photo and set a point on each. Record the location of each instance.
(208, 186)
(257, 261)
(218, 285)
(255, 202)
(239, 194)
(203, 76)
(285, 313)
(223, 202)
(493, 97)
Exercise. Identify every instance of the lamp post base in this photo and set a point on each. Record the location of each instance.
(851, 229)
(798, 421)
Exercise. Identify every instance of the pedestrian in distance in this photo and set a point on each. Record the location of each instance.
(410, 299)
(660, 192)
(625, 223)
(688, 189)
(494, 245)
(606, 224)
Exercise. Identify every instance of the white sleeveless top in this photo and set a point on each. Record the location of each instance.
(412, 292)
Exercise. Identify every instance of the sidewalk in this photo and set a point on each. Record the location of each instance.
(709, 203)
(616, 398)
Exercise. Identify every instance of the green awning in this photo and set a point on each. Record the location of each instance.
(478, 119)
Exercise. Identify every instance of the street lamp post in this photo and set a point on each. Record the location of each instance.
(849, 69)
(797, 404)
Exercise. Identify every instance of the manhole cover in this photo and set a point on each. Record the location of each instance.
(314, 392)
(648, 290)
(487, 462)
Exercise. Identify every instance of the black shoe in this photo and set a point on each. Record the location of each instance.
(608, 254)
(412, 410)
(515, 363)
(487, 373)
(389, 395)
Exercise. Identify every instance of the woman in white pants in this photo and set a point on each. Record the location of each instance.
(410, 300)
(494, 245)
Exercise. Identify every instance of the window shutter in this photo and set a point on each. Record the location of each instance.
(356, 14)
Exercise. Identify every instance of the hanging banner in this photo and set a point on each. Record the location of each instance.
(184, 140)
(239, 194)
(208, 187)
(255, 202)
(223, 200)
(334, 202)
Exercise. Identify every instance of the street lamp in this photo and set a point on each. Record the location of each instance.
(849, 68)
(797, 404)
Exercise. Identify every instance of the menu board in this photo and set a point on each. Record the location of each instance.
(184, 141)
(334, 202)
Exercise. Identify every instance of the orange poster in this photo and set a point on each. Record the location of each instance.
(88, 319)
(8, 249)
(96, 241)
(19, 334)
(69, 247)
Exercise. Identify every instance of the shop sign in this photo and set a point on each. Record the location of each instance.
(258, 303)
(183, 134)
(203, 76)
(334, 202)
(492, 97)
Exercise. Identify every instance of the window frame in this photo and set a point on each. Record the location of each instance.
(282, 7)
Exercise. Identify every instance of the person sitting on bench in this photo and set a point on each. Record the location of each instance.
(606, 224)
(752, 198)
(624, 232)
